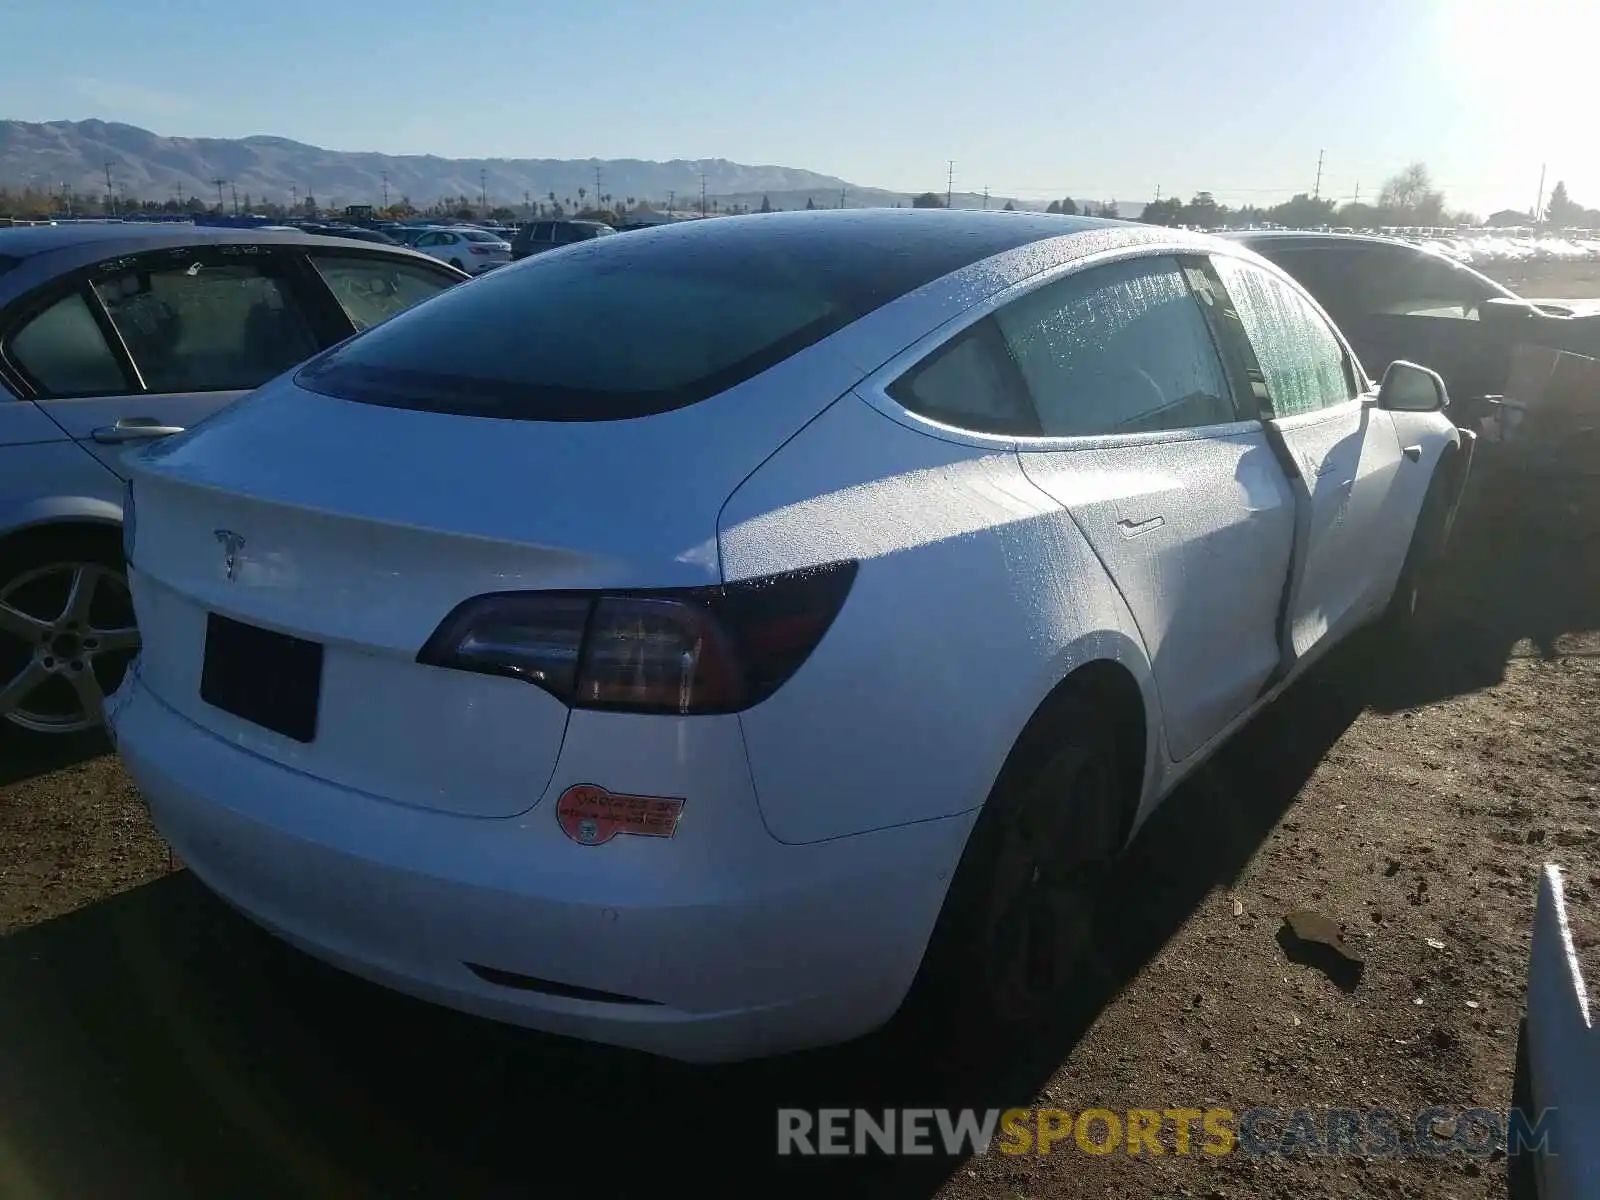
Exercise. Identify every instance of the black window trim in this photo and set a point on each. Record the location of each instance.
(875, 388)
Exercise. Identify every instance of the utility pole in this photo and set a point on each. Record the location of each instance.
(219, 181)
(386, 189)
(1158, 193)
(1357, 200)
(111, 195)
(986, 195)
(1538, 205)
(294, 196)
(841, 197)
(949, 182)
(702, 193)
(672, 199)
(1316, 191)
(597, 187)
(483, 187)
(234, 188)
(527, 202)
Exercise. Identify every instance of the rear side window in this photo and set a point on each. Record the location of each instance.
(1302, 359)
(1118, 349)
(203, 326)
(371, 289)
(64, 353)
(970, 383)
(625, 327)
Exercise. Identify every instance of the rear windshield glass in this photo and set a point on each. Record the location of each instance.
(612, 328)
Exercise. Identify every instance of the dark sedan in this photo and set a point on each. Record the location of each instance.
(1394, 300)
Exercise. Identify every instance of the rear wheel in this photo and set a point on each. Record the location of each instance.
(66, 630)
(1018, 928)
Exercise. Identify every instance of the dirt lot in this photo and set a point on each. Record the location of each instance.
(155, 1044)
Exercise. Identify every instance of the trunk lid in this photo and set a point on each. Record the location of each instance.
(359, 528)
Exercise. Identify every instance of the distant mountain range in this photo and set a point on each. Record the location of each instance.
(78, 155)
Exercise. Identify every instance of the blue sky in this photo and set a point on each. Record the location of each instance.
(1032, 98)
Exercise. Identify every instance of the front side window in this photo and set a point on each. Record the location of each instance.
(372, 289)
(63, 352)
(1118, 349)
(1302, 359)
(202, 325)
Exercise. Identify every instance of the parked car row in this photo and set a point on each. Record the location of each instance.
(112, 335)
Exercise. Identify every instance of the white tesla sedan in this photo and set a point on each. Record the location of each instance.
(690, 640)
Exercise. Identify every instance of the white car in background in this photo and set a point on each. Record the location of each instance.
(700, 692)
(465, 248)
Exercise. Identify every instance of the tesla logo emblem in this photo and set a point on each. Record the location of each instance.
(232, 543)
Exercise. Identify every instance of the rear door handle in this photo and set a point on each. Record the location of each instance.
(133, 429)
(1414, 453)
(1132, 527)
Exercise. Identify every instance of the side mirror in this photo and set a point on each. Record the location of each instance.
(1407, 387)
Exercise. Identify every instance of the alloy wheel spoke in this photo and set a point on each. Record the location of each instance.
(85, 578)
(89, 694)
(114, 639)
(20, 624)
(21, 685)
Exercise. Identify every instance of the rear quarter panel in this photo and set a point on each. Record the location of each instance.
(45, 477)
(976, 595)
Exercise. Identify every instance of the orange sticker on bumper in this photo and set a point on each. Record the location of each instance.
(592, 816)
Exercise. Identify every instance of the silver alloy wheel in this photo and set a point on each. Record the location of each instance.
(65, 655)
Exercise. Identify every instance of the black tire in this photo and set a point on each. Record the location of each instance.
(1430, 539)
(47, 674)
(1018, 927)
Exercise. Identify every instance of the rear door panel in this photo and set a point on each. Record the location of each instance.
(1198, 534)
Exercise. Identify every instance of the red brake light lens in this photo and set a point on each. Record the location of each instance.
(684, 650)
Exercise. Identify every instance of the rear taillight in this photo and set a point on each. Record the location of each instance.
(685, 650)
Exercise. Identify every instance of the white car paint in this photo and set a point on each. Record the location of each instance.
(468, 249)
(415, 833)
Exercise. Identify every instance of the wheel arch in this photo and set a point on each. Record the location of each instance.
(1124, 686)
(37, 523)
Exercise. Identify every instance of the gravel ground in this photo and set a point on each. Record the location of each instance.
(155, 1044)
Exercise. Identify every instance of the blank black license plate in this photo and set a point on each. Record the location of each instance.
(270, 679)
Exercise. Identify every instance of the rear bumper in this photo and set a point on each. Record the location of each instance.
(717, 944)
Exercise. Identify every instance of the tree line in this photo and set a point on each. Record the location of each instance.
(1408, 198)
